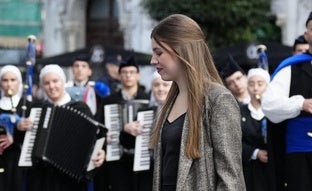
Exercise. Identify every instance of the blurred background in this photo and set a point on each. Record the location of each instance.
(65, 28)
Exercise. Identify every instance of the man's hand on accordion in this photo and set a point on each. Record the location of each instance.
(99, 159)
(25, 125)
(134, 128)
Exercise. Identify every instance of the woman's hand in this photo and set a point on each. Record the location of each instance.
(25, 125)
(99, 159)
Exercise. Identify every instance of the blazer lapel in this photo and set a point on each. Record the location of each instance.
(184, 162)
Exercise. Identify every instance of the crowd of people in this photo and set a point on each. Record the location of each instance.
(211, 130)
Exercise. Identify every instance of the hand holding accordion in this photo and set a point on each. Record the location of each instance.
(63, 137)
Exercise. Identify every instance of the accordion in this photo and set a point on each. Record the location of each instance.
(115, 117)
(63, 137)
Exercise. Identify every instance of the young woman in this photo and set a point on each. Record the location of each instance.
(197, 138)
(11, 87)
(43, 176)
(254, 128)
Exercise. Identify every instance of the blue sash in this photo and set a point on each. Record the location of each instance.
(296, 59)
(297, 138)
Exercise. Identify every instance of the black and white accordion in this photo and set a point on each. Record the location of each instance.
(63, 137)
(115, 116)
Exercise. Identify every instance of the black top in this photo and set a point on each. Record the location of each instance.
(171, 143)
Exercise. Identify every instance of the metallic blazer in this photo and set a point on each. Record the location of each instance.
(220, 165)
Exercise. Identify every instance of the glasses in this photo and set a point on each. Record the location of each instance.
(124, 73)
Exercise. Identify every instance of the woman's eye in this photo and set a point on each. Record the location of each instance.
(158, 53)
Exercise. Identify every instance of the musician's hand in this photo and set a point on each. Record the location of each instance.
(134, 128)
(112, 137)
(99, 159)
(5, 142)
(307, 105)
(263, 156)
(25, 124)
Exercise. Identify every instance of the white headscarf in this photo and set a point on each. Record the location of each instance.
(54, 68)
(5, 102)
(259, 72)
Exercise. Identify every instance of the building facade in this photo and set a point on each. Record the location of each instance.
(291, 17)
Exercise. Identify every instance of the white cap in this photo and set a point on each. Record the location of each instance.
(52, 68)
(259, 72)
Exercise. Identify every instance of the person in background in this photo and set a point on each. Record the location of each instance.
(254, 128)
(197, 138)
(82, 88)
(160, 89)
(12, 126)
(276, 138)
(235, 80)
(111, 76)
(42, 176)
(82, 71)
(288, 98)
(120, 174)
(300, 45)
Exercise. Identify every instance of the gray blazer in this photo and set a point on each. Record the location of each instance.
(220, 165)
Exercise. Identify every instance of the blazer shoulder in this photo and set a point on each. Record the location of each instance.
(217, 90)
(220, 96)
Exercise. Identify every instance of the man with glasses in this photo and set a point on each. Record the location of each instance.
(120, 173)
(235, 80)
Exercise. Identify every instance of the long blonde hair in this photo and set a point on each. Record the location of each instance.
(187, 41)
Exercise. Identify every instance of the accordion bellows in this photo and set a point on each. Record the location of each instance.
(65, 139)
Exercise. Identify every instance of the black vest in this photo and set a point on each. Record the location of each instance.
(301, 79)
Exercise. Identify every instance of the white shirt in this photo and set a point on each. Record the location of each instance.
(276, 103)
(246, 100)
(257, 114)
